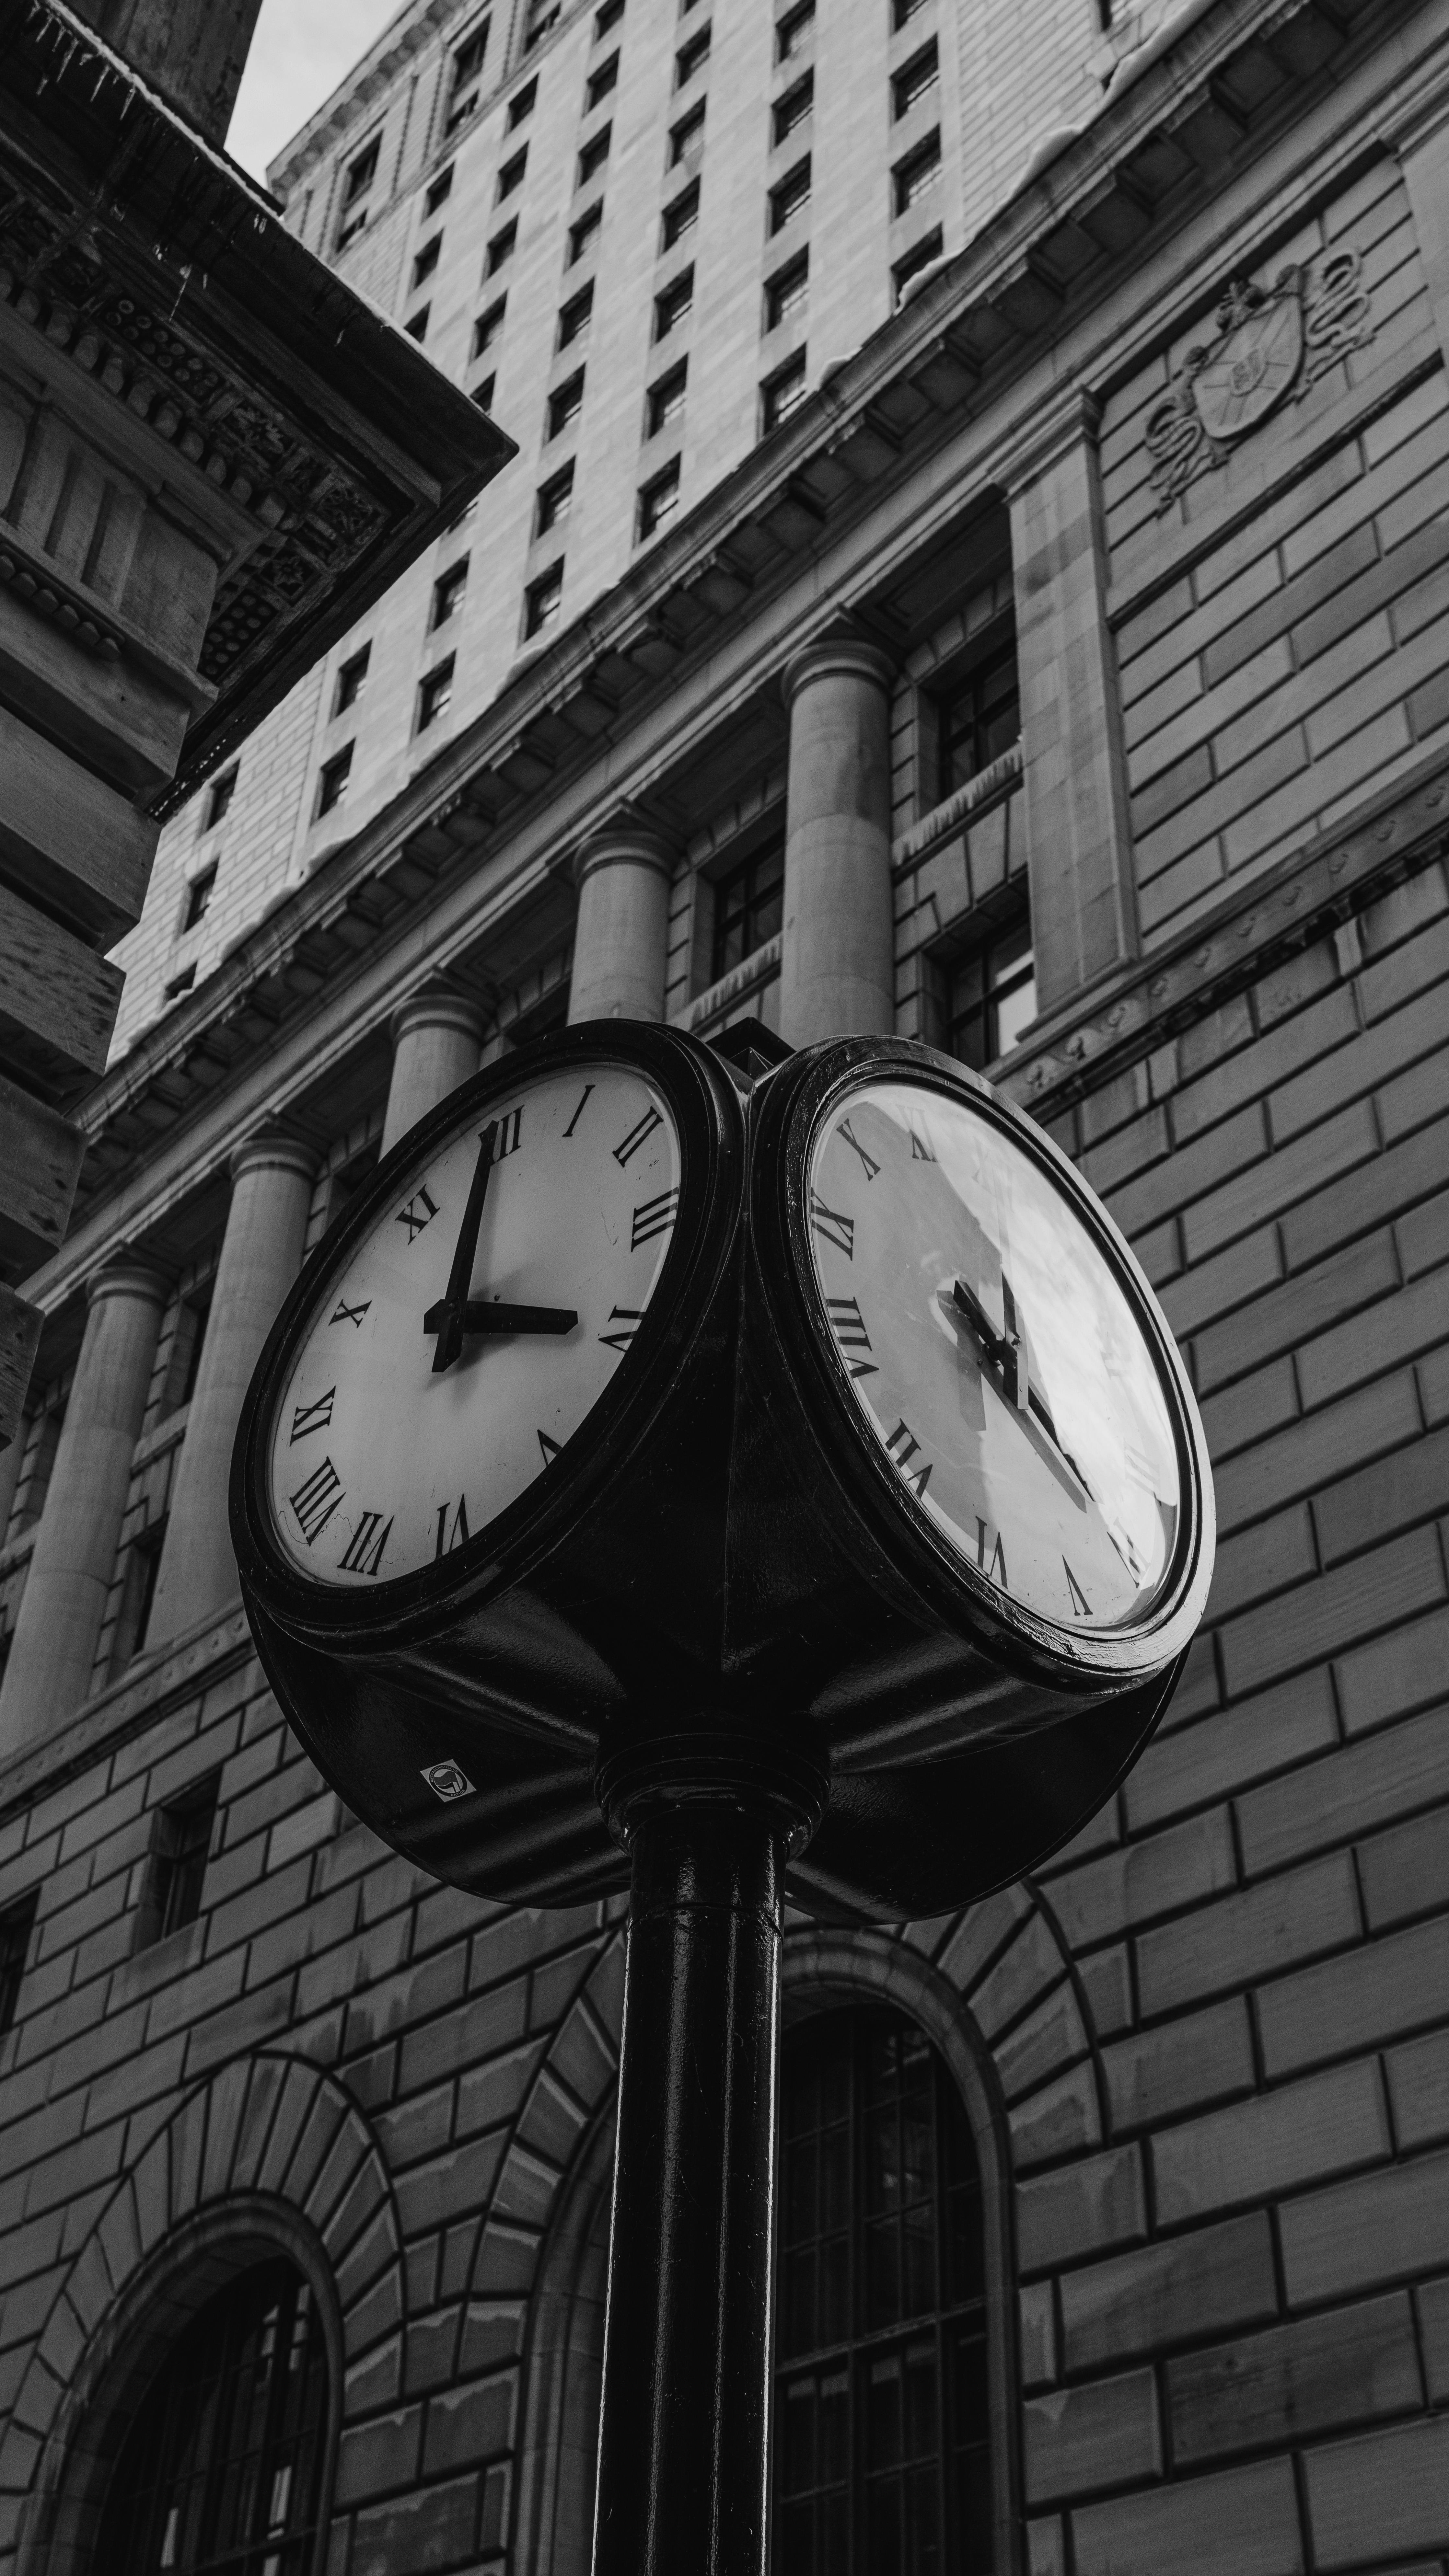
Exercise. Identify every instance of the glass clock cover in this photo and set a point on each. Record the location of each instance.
(990, 1345)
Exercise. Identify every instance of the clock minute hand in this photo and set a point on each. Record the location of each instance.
(1002, 1350)
(481, 1316)
(446, 1318)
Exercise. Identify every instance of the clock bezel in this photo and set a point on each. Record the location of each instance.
(794, 1105)
(502, 1551)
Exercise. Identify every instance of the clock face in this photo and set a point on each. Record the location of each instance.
(474, 1325)
(991, 1348)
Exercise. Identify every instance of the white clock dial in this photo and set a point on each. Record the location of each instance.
(990, 1346)
(382, 1461)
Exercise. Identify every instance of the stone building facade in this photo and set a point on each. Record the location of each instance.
(1066, 681)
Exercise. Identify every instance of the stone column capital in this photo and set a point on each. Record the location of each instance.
(623, 840)
(840, 655)
(436, 1007)
(269, 1151)
(1070, 420)
(128, 1275)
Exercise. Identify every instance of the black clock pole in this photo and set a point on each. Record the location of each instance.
(684, 2429)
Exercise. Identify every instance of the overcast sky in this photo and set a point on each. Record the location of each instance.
(301, 50)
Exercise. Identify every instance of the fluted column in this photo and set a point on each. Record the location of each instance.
(837, 962)
(49, 1670)
(621, 936)
(436, 1038)
(261, 1252)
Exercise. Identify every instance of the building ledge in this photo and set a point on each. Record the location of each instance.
(997, 779)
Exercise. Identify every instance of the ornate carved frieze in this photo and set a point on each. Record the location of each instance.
(1270, 346)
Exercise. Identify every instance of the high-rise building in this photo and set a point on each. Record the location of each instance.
(1042, 650)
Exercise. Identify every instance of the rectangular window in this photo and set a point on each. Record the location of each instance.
(351, 680)
(658, 501)
(427, 261)
(360, 174)
(794, 30)
(913, 177)
(554, 503)
(917, 259)
(332, 780)
(542, 14)
(176, 1866)
(218, 802)
(565, 405)
(16, 1925)
(198, 897)
(521, 104)
(917, 80)
(783, 394)
(501, 248)
(978, 719)
(439, 192)
(593, 156)
(187, 1341)
(787, 291)
(510, 177)
(542, 600)
(681, 216)
(482, 394)
(181, 983)
(692, 57)
(993, 996)
(448, 593)
(138, 1595)
(748, 908)
(601, 82)
(791, 197)
(584, 235)
(675, 302)
(463, 89)
(574, 320)
(792, 110)
(903, 11)
(666, 399)
(608, 19)
(416, 325)
(686, 139)
(488, 326)
(435, 694)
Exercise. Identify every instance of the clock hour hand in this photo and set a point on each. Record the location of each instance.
(446, 1318)
(481, 1316)
(1005, 1356)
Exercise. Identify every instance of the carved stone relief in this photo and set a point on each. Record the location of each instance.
(1270, 346)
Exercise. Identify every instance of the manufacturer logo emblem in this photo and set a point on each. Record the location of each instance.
(448, 1780)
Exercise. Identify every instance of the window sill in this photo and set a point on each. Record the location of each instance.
(751, 974)
(998, 779)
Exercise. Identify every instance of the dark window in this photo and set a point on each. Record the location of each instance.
(427, 260)
(543, 600)
(659, 500)
(554, 502)
(522, 103)
(439, 192)
(793, 30)
(921, 74)
(593, 156)
(881, 2421)
(919, 256)
(218, 803)
(903, 11)
(787, 290)
(16, 1925)
(783, 394)
(220, 2474)
(979, 719)
(584, 234)
(138, 1593)
(608, 18)
(187, 1341)
(351, 680)
(488, 326)
(542, 14)
(686, 140)
(360, 174)
(681, 216)
(510, 177)
(673, 304)
(792, 109)
(467, 64)
(578, 313)
(691, 57)
(435, 694)
(176, 1863)
(912, 177)
(565, 405)
(181, 983)
(747, 908)
(448, 592)
(482, 394)
(416, 325)
(42, 1439)
(332, 780)
(993, 995)
(791, 197)
(500, 248)
(602, 81)
(666, 399)
(198, 897)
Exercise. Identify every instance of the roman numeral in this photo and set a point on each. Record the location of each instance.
(409, 1216)
(315, 1502)
(445, 1545)
(364, 1553)
(903, 1446)
(997, 1567)
(656, 1216)
(1081, 1606)
(849, 1328)
(637, 1136)
(920, 1150)
(868, 1163)
(507, 1144)
(578, 1113)
(549, 1447)
(837, 1229)
(352, 1314)
(628, 1319)
(312, 1417)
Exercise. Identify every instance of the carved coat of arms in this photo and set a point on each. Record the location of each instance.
(1271, 344)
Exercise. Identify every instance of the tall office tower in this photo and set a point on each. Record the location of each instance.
(1063, 678)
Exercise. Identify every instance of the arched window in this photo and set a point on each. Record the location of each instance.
(882, 2433)
(220, 2472)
